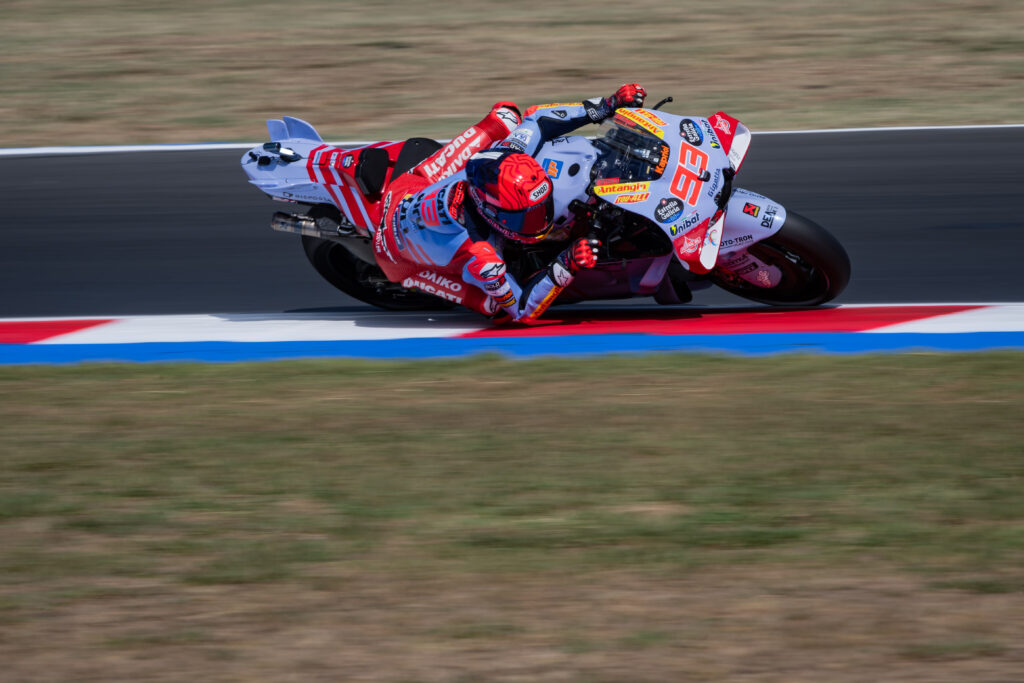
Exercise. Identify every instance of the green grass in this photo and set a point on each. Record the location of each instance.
(361, 489)
(915, 459)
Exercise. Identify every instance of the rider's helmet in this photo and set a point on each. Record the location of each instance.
(512, 193)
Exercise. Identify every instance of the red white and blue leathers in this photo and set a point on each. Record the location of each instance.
(431, 237)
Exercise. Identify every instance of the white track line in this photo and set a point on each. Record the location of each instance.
(201, 147)
(379, 325)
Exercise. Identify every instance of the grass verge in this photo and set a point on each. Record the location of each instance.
(585, 510)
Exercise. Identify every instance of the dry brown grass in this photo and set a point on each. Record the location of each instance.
(121, 71)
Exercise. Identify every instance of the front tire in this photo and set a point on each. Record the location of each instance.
(815, 266)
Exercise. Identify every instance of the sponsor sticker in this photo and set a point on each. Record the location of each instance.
(769, 217)
(380, 246)
(522, 135)
(668, 210)
(633, 198)
(539, 192)
(714, 184)
(650, 116)
(689, 130)
(630, 116)
(662, 161)
(553, 167)
(554, 105)
(508, 117)
(738, 240)
(433, 283)
(720, 123)
(492, 271)
(714, 235)
(751, 209)
(688, 245)
(462, 146)
(691, 220)
(346, 161)
(620, 188)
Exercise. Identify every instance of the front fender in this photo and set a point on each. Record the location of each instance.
(750, 218)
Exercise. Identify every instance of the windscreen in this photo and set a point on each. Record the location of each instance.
(628, 153)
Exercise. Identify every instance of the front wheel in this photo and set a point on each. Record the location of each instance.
(815, 267)
(363, 280)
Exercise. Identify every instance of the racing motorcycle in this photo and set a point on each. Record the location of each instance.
(656, 188)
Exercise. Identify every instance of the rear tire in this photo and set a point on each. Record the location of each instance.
(815, 266)
(364, 281)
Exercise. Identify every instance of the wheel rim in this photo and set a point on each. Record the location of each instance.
(802, 283)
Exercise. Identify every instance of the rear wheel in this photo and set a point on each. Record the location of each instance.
(815, 267)
(364, 281)
(349, 265)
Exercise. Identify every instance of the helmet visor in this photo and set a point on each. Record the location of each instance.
(531, 224)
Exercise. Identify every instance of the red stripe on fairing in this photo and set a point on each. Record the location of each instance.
(339, 199)
(842, 319)
(354, 199)
(310, 166)
(31, 331)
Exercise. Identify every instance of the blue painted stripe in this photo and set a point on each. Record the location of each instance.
(516, 347)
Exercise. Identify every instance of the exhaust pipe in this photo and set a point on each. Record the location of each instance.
(297, 225)
(322, 227)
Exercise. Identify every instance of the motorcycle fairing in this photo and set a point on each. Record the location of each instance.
(750, 218)
(567, 161)
(322, 174)
(733, 135)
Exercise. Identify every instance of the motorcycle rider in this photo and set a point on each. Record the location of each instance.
(439, 219)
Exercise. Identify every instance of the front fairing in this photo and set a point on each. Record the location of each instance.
(672, 170)
(568, 162)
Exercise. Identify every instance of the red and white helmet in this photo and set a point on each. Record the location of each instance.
(512, 193)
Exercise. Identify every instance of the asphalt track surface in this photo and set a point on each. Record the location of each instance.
(926, 216)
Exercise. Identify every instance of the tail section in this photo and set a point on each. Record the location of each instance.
(278, 131)
(288, 127)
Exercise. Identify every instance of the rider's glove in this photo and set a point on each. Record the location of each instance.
(629, 95)
(581, 255)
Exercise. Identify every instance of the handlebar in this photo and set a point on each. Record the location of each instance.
(664, 101)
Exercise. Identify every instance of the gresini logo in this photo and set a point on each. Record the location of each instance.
(721, 124)
(689, 245)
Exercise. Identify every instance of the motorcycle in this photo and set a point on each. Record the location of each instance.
(656, 188)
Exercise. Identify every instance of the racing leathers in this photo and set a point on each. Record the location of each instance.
(431, 237)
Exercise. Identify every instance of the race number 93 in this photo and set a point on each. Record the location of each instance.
(687, 183)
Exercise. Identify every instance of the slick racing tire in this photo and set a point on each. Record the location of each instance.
(364, 281)
(815, 267)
